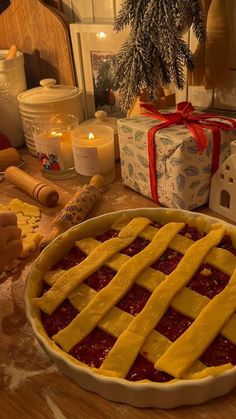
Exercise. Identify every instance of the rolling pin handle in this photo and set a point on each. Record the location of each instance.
(97, 181)
(41, 192)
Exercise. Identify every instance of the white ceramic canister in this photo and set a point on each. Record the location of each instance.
(12, 82)
(102, 119)
(47, 100)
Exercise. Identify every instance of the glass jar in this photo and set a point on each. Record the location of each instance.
(48, 99)
(12, 82)
(52, 138)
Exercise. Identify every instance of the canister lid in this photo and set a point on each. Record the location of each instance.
(48, 92)
(101, 117)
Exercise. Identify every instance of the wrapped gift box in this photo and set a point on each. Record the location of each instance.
(183, 173)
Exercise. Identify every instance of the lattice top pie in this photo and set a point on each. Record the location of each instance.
(143, 299)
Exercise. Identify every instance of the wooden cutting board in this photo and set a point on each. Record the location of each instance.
(42, 33)
(54, 3)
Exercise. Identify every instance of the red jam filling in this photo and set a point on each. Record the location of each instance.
(73, 258)
(192, 232)
(226, 243)
(93, 349)
(142, 369)
(220, 352)
(138, 244)
(107, 235)
(208, 281)
(100, 279)
(59, 319)
(173, 324)
(134, 300)
(168, 261)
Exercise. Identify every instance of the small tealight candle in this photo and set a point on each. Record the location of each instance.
(52, 137)
(65, 145)
(93, 148)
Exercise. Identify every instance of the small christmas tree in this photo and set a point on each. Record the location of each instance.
(155, 53)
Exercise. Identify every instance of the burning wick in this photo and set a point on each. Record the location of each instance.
(91, 136)
(58, 134)
(101, 35)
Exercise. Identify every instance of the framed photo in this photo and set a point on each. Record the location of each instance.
(94, 50)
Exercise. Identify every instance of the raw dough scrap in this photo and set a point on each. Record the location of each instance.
(30, 244)
(17, 206)
(28, 218)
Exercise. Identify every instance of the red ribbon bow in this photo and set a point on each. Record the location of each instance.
(195, 122)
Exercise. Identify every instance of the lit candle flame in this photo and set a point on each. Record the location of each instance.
(101, 35)
(59, 134)
(91, 136)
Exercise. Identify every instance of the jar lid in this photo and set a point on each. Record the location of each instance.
(101, 117)
(48, 92)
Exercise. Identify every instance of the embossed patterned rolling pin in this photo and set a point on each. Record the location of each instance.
(40, 191)
(76, 209)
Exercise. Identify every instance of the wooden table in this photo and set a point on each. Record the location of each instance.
(30, 386)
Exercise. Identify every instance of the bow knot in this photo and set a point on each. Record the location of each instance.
(196, 122)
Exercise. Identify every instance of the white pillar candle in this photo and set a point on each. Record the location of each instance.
(93, 148)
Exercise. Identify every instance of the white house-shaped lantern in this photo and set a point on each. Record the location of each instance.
(223, 187)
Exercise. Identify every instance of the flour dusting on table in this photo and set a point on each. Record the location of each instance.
(14, 376)
(54, 408)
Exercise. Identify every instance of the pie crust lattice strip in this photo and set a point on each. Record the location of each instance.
(136, 335)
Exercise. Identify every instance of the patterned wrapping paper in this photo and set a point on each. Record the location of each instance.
(183, 175)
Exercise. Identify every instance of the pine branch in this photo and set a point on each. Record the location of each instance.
(155, 53)
(129, 12)
(163, 71)
(175, 52)
(185, 54)
(198, 18)
(177, 73)
(134, 70)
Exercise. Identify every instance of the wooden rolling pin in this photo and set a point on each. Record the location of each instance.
(41, 192)
(76, 210)
(9, 157)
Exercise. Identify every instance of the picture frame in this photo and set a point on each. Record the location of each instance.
(94, 49)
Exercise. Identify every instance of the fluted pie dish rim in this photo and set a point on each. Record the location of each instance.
(139, 394)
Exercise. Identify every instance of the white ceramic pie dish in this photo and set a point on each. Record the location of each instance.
(149, 394)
